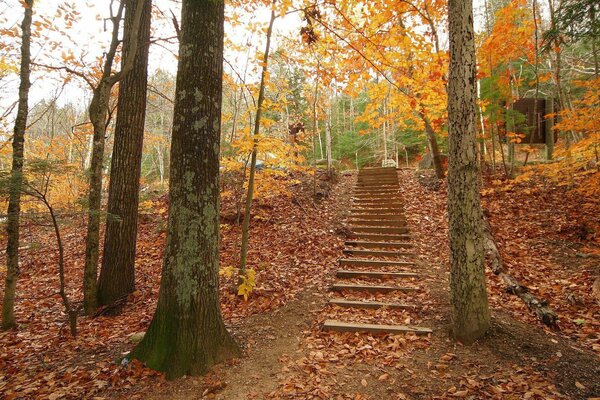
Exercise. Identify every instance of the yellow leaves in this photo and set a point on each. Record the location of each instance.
(584, 116)
(511, 37)
(248, 282)
(227, 272)
(515, 137)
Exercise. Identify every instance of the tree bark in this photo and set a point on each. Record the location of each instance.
(433, 146)
(16, 175)
(98, 111)
(117, 275)
(187, 334)
(471, 317)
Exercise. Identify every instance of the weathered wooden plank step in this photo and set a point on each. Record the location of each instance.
(376, 205)
(377, 178)
(377, 196)
(377, 182)
(378, 173)
(377, 168)
(376, 190)
(360, 262)
(378, 253)
(377, 185)
(378, 229)
(378, 202)
(377, 199)
(375, 222)
(337, 287)
(374, 245)
(344, 274)
(367, 304)
(380, 236)
(378, 217)
(340, 326)
(377, 210)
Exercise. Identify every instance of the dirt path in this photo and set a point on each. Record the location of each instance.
(269, 339)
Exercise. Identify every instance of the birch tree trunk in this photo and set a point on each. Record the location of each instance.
(471, 317)
(16, 174)
(187, 334)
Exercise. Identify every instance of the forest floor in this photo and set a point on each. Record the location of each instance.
(548, 236)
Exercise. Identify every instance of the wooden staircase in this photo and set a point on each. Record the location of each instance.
(378, 249)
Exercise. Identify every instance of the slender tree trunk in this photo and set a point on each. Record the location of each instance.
(315, 129)
(187, 334)
(117, 275)
(328, 154)
(16, 175)
(471, 317)
(384, 131)
(98, 115)
(433, 147)
(351, 115)
(250, 194)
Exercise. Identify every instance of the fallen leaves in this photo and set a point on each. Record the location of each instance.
(288, 248)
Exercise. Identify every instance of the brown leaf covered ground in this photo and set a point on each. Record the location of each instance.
(290, 241)
(546, 234)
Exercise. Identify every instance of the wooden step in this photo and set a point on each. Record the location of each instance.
(360, 262)
(376, 196)
(392, 199)
(377, 210)
(337, 287)
(378, 185)
(340, 326)
(393, 217)
(376, 190)
(376, 222)
(378, 168)
(377, 253)
(366, 304)
(374, 245)
(377, 179)
(380, 236)
(379, 200)
(378, 229)
(376, 205)
(344, 274)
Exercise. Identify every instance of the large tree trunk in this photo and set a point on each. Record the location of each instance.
(117, 275)
(16, 178)
(187, 334)
(471, 317)
(99, 117)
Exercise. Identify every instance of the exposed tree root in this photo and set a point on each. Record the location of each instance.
(539, 307)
